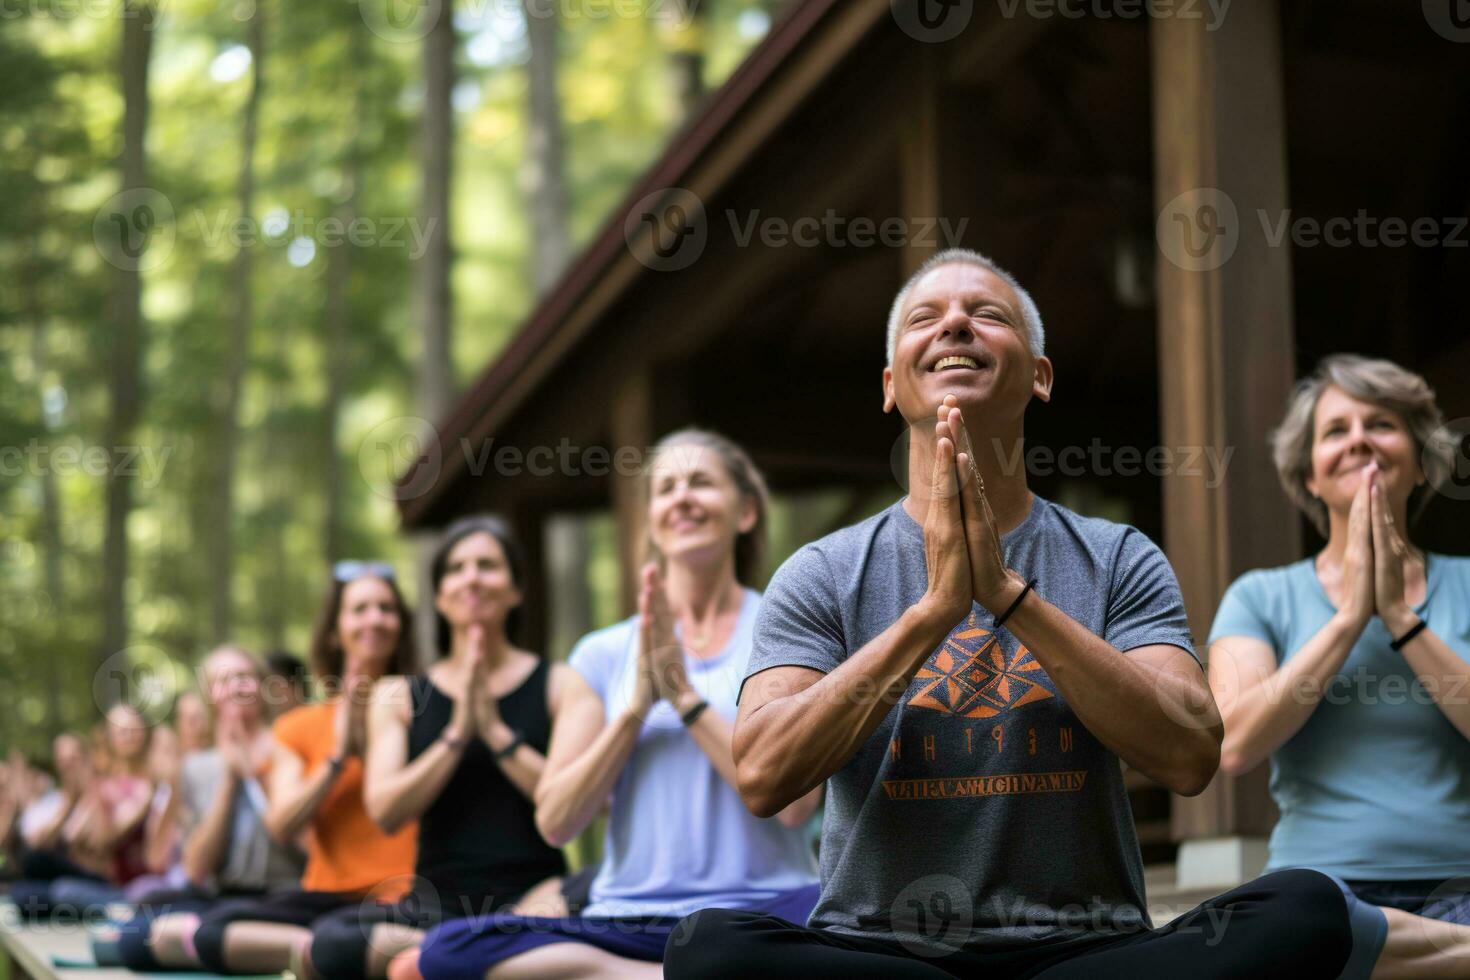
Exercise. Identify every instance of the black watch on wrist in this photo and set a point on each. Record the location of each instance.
(518, 738)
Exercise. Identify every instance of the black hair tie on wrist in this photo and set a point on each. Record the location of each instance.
(1019, 599)
(517, 739)
(1414, 631)
(692, 715)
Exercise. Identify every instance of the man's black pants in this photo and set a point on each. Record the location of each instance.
(1290, 924)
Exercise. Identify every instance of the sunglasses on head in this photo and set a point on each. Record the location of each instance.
(347, 571)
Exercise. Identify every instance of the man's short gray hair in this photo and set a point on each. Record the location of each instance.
(1030, 315)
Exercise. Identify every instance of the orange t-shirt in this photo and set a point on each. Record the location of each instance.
(346, 851)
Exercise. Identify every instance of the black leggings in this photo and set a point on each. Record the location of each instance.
(1291, 924)
(340, 940)
(292, 907)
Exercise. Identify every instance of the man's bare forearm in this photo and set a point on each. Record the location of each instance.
(791, 744)
(1120, 701)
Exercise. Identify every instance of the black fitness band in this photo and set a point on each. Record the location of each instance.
(692, 715)
(516, 742)
(1007, 614)
(1413, 632)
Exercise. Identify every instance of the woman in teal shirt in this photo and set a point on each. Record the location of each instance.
(1349, 670)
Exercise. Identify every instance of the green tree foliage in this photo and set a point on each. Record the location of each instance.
(338, 123)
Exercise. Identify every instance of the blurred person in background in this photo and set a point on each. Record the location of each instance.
(644, 730)
(286, 682)
(191, 719)
(315, 790)
(1346, 670)
(461, 750)
(227, 851)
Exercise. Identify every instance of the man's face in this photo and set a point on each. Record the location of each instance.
(960, 333)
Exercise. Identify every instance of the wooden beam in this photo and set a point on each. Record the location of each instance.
(631, 425)
(1225, 327)
(704, 170)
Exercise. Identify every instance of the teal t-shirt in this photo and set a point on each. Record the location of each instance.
(1376, 784)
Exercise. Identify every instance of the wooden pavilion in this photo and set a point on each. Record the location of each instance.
(1085, 153)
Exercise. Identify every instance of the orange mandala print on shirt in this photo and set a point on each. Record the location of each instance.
(971, 676)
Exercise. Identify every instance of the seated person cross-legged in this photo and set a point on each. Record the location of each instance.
(644, 730)
(966, 670)
(227, 852)
(1348, 669)
(459, 750)
(315, 788)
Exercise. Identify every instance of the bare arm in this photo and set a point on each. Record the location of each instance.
(586, 758)
(1441, 670)
(162, 826)
(1264, 705)
(208, 842)
(293, 797)
(1151, 707)
(110, 829)
(48, 835)
(525, 766)
(798, 726)
(396, 790)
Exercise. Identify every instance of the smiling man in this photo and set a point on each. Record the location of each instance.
(965, 670)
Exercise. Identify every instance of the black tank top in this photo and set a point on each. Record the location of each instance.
(478, 844)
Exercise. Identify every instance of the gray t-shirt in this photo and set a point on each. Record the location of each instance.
(253, 862)
(981, 815)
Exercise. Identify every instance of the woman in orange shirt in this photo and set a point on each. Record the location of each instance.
(315, 787)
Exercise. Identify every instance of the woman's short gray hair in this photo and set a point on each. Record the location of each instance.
(1035, 332)
(1375, 380)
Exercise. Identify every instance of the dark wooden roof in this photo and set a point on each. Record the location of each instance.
(1038, 134)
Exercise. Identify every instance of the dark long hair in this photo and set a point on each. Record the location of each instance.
(326, 652)
(453, 535)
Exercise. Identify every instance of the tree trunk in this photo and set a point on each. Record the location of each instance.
(237, 355)
(126, 331)
(54, 608)
(431, 279)
(686, 61)
(338, 314)
(542, 174)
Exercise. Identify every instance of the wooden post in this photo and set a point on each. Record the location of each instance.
(631, 427)
(1225, 330)
(920, 162)
(527, 521)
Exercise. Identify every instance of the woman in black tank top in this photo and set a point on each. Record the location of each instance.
(459, 749)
